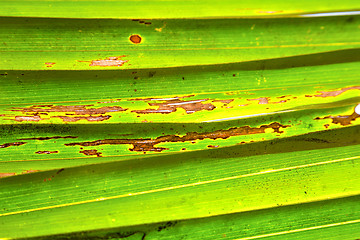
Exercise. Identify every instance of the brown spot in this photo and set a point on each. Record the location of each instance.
(169, 106)
(46, 152)
(5, 145)
(224, 101)
(284, 96)
(108, 62)
(265, 100)
(79, 109)
(262, 100)
(49, 64)
(91, 152)
(148, 144)
(47, 138)
(60, 170)
(135, 39)
(342, 120)
(183, 149)
(335, 93)
(28, 118)
(6, 174)
(326, 125)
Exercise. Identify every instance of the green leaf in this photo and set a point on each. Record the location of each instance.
(206, 120)
(99, 44)
(168, 9)
(170, 188)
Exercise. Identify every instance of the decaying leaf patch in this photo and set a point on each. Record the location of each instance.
(142, 145)
(342, 120)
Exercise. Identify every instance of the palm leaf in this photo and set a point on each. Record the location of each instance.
(225, 121)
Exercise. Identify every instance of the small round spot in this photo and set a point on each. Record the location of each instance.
(357, 109)
(135, 39)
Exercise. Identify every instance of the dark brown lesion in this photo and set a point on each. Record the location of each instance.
(91, 152)
(143, 21)
(343, 120)
(46, 152)
(47, 138)
(5, 145)
(148, 144)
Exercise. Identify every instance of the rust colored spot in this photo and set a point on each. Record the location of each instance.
(91, 152)
(5, 145)
(135, 39)
(47, 138)
(335, 93)
(6, 174)
(342, 120)
(169, 106)
(148, 144)
(79, 109)
(90, 118)
(49, 64)
(35, 118)
(46, 152)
